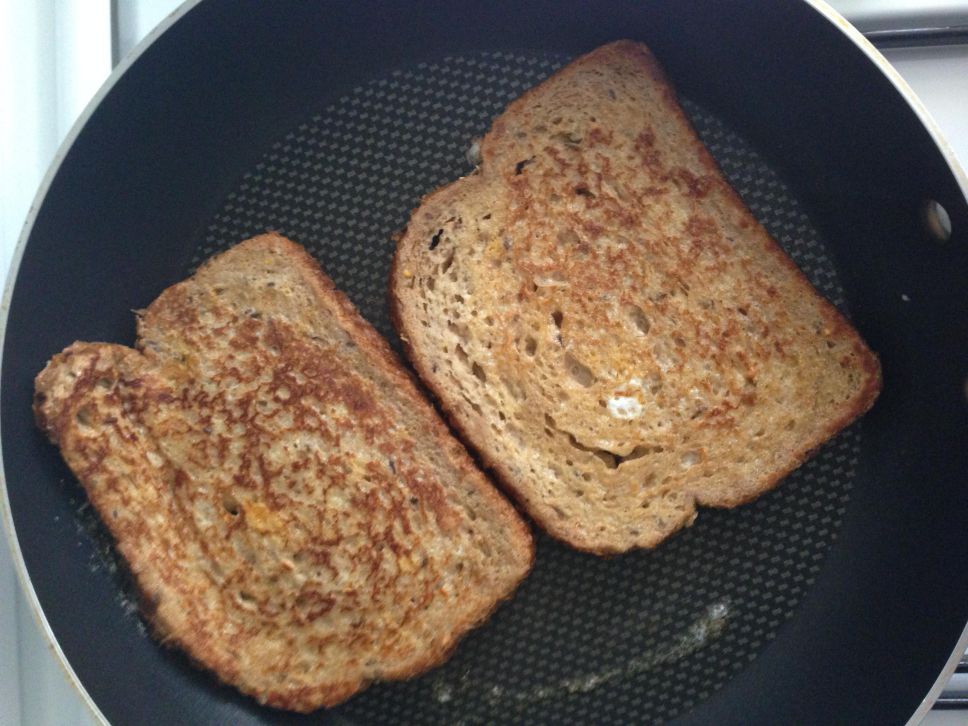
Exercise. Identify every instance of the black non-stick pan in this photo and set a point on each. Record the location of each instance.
(838, 598)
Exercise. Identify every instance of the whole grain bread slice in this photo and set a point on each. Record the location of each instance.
(297, 517)
(608, 325)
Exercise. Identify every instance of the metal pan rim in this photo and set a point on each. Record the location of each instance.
(19, 563)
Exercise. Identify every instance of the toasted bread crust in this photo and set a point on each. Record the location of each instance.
(609, 126)
(298, 519)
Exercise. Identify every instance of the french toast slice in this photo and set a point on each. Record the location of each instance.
(607, 324)
(296, 516)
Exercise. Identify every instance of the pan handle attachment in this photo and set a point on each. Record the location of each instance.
(955, 699)
(918, 37)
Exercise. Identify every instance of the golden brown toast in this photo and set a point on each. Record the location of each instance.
(607, 324)
(296, 516)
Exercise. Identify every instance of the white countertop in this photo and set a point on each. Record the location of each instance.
(54, 55)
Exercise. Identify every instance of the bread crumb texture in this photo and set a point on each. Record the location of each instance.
(607, 324)
(296, 516)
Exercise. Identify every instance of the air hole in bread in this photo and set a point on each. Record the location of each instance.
(606, 457)
(435, 240)
(474, 406)
(638, 452)
(581, 373)
(520, 166)
(530, 346)
(479, 372)
(84, 416)
(582, 190)
(557, 316)
(569, 138)
(609, 458)
(430, 283)
(639, 319)
(231, 505)
(448, 261)
(459, 329)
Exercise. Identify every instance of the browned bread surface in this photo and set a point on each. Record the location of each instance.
(296, 516)
(608, 325)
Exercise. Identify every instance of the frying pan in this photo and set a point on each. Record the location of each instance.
(836, 598)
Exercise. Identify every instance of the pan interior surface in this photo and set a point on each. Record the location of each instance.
(643, 636)
(828, 600)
